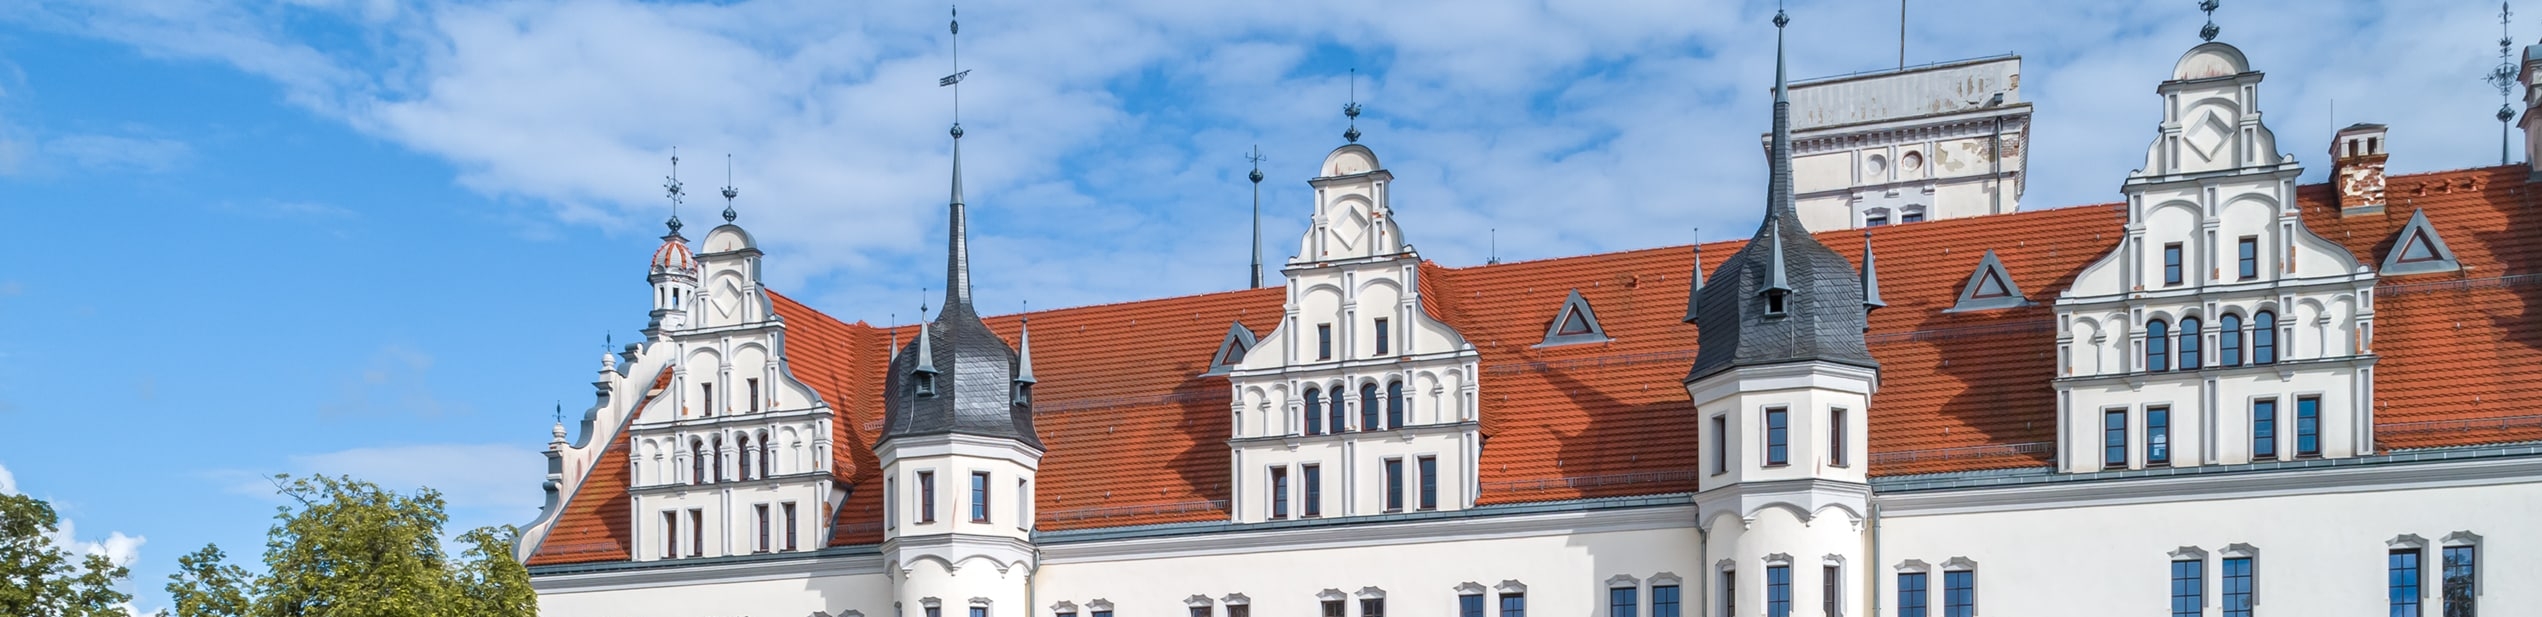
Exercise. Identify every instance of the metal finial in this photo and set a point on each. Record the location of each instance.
(1780, 19)
(955, 80)
(671, 187)
(560, 412)
(2503, 77)
(1256, 176)
(922, 303)
(2209, 31)
(1351, 109)
(1256, 158)
(729, 191)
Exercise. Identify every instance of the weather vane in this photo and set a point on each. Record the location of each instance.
(955, 80)
(671, 188)
(2209, 31)
(729, 191)
(560, 412)
(1351, 109)
(2504, 79)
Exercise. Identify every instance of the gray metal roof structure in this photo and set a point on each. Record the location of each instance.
(958, 377)
(1822, 316)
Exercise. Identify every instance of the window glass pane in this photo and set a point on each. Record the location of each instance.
(2189, 357)
(2401, 579)
(983, 611)
(1368, 407)
(1394, 403)
(980, 497)
(2462, 581)
(1836, 448)
(2157, 346)
(1314, 411)
(2229, 340)
(1911, 594)
(1381, 336)
(2188, 586)
(1372, 607)
(1334, 412)
(2308, 426)
(1469, 606)
(2250, 257)
(1720, 445)
(1959, 594)
(1664, 601)
(1778, 591)
(2171, 263)
(1623, 602)
(1830, 590)
(2114, 438)
(2264, 429)
(2263, 337)
(1911, 216)
(1513, 605)
(2237, 586)
(2158, 435)
(1314, 489)
(1323, 341)
(1333, 608)
(1429, 483)
(1777, 426)
(1279, 492)
(1394, 484)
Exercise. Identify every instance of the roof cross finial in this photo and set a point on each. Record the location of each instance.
(1351, 109)
(2209, 31)
(729, 191)
(671, 187)
(2504, 79)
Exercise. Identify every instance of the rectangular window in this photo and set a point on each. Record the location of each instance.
(2188, 588)
(1279, 492)
(696, 532)
(1959, 594)
(1911, 594)
(2250, 257)
(670, 535)
(1836, 437)
(983, 611)
(2171, 264)
(1372, 607)
(934, 611)
(1875, 220)
(754, 394)
(1513, 605)
(1023, 499)
(1469, 605)
(979, 497)
(1911, 216)
(1103, 613)
(926, 497)
(1429, 468)
(1314, 476)
(706, 398)
(1239, 610)
(1334, 608)
(1623, 602)
(2237, 586)
(2114, 439)
(762, 511)
(1778, 591)
(1831, 588)
(1200, 611)
(1394, 484)
(2462, 581)
(1664, 601)
(1730, 600)
(2401, 579)
(790, 526)
(1324, 341)
(1720, 445)
(2264, 429)
(2157, 435)
(1381, 336)
(2308, 426)
(1777, 437)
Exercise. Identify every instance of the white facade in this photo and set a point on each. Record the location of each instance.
(1933, 142)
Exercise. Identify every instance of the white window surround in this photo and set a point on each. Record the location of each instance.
(930, 602)
(1331, 595)
(1469, 588)
(1621, 581)
(980, 602)
(1959, 564)
(1665, 578)
(1197, 601)
(1778, 559)
(2407, 540)
(1725, 565)
(1914, 565)
(2251, 552)
(1371, 593)
(1063, 607)
(2188, 553)
(1832, 559)
(1236, 599)
(2479, 564)
(1098, 604)
(1510, 587)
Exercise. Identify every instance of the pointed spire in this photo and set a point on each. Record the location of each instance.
(957, 268)
(926, 348)
(1775, 281)
(895, 336)
(1256, 177)
(1694, 288)
(1778, 190)
(1870, 277)
(1024, 367)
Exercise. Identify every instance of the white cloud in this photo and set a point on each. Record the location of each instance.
(1106, 141)
(121, 549)
(8, 483)
(118, 154)
(497, 477)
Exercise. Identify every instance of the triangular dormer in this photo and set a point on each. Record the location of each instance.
(1989, 287)
(2419, 250)
(1231, 350)
(1575, 323)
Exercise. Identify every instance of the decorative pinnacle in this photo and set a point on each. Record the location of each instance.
(1256, 158)
(671, 187)
(1780, 19)
(2209, 31)
(1351, 109)
(729, 191)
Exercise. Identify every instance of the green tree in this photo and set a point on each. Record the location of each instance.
(490, 582)
(353, 549)
(39, 579)
(204, 586)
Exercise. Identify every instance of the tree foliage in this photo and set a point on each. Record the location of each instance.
(41, 579)
(347, 548)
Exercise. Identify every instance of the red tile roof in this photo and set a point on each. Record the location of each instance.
(594, 525)
(1136, 435)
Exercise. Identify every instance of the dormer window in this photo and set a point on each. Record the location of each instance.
(1774, 301)
(1231, 350)
(925, 382)
(1911, 214)
(1023, 393)
(1574, 323)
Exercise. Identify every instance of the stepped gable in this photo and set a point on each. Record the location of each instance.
(2429, 327)
(831, 356)
(594, 524)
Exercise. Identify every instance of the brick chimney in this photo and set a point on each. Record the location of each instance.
(2356, 168)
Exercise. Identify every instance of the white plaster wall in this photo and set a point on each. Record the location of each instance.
(2318, 554)
(1564, 574)
(1807, 397)
(1829, 538)
(789, 596)
(957, 586)
(1008, 515)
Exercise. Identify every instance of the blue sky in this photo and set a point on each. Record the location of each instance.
(386, 238)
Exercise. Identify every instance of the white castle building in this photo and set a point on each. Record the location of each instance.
(2227, 395)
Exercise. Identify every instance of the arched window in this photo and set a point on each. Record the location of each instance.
(1314, 411)
(2157, 346)
(1394, 403)
(767, 452)
(2190, 359)
(696, 461)
(1368, 407)
(1334, 411)
(718, 445)
(2228, 336)
(2263, 338)
(743, 444)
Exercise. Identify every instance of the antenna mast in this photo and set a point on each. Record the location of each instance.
(2504, 79)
